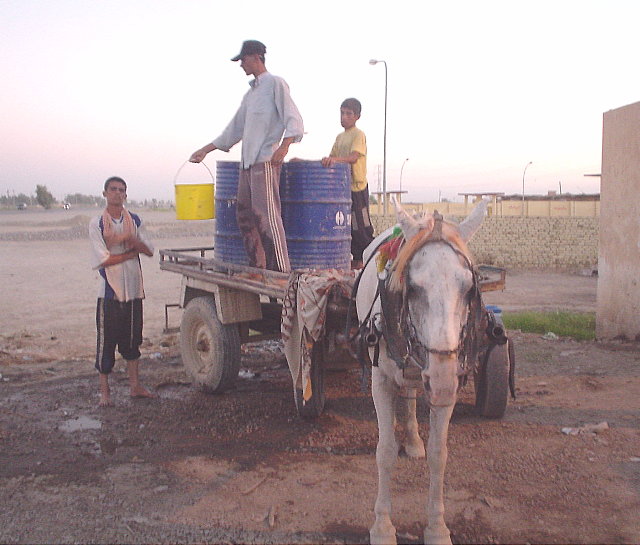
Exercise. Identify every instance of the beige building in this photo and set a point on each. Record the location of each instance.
(618, 309)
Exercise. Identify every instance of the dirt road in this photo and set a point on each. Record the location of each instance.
(242, 468)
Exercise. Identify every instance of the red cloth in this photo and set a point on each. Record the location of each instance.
(389, 250)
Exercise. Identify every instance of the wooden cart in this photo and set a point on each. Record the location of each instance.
(223, 302)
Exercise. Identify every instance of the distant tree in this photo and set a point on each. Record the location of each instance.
(44, 197)
(11, 200)
(79, 198)
(372, 199)
(26, 199)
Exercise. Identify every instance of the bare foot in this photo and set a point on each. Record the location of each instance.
(105, 401)
(141, 391)
(105, 392)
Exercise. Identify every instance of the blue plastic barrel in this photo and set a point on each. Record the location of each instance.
(316, 213)
(228, 245)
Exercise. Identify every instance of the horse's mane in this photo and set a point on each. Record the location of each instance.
(450, 233)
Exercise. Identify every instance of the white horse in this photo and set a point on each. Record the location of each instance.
(424, 310)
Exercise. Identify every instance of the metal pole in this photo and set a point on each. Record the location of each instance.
(525, 171)
(384, 151)
(384, 156)
(401, 169)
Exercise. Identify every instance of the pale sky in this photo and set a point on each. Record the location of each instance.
(476, 90)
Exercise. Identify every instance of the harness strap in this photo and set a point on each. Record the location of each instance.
(361, 351)
(392, 322)
(354, 291)
(402, 344)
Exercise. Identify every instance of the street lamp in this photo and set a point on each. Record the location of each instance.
(384, 148)
(525, 171)
(401, 168)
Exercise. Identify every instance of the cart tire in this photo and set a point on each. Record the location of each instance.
(210, 350)
(313, 407)
(492, 382)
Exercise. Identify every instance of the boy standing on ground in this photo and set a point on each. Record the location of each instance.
(117, 238)
(351, 147)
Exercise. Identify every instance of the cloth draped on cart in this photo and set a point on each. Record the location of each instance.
(304, 313)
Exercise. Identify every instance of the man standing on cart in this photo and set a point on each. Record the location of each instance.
(267, 122)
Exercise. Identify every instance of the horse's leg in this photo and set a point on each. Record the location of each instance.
(383, 389)
(436, 531)
(413, 445)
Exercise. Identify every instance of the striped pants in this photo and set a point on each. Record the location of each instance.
(119, 325)
(259, 217)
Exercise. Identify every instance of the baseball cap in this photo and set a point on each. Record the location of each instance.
(251, 47)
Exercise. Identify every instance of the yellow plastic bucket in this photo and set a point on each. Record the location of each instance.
(194, 201)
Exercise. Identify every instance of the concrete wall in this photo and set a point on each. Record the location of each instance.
(551, 208)
(538, 242)
(558, 243)
(618, 308)
(543, 207)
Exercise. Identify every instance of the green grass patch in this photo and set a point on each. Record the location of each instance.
(579, 326)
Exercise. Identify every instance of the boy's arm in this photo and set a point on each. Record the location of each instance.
(351, 158)
(114, 259)
(140, 247)
(141, 242)
(137, 247)
(358, 150)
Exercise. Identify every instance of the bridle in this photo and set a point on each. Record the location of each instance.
(479, 334)
(399, 332)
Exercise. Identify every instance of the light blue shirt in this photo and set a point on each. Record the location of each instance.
(266, 115)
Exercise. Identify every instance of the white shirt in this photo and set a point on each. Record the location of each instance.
(266, 115)
(123, 281)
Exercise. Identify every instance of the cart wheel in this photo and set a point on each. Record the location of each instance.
(313, 407)
(210, 350)
(492, 382)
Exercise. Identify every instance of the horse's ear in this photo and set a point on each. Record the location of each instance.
(473, 221)
(409, 226)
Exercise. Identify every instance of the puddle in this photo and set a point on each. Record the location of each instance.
(173, 390)
(81, 423)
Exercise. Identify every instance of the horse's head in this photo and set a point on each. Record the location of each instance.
(434, 274)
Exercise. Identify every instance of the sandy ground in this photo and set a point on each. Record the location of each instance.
(243, 468)
(49, 289)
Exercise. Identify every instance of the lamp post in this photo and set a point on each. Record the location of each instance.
(401, 169)
(384, 145)
(525, 171)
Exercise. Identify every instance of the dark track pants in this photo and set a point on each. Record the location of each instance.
(119, 325)
(259, 217)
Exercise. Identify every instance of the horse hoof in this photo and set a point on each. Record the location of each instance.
(415, 451)
(437, 537)
(382, 539)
